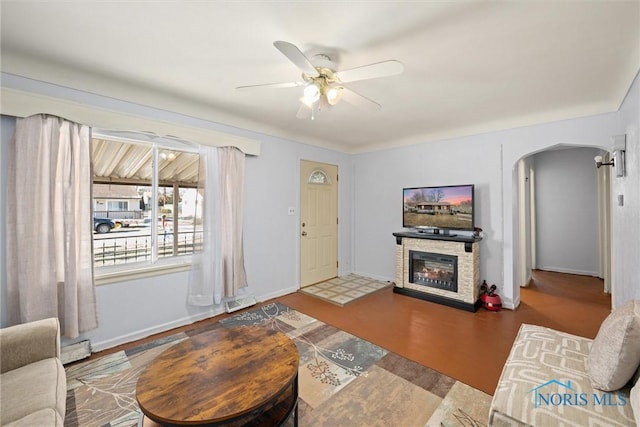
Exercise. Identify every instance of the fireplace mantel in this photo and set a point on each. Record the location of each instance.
(467, 240)
(464, 248)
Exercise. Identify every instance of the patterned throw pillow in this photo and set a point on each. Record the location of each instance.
(615, 353)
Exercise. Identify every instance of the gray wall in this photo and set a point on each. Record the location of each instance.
(625, 268)
(566, 211)
(370, 209)
(380, 177)
(490, 161)
(480, 160)
(137, 308)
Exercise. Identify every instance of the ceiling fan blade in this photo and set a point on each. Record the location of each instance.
(358, 100)
(294, 54)
(371, 71)
(272, 85)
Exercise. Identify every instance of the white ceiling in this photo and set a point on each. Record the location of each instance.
(470, 66)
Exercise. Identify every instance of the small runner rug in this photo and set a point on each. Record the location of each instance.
(346, 289)
(343, 380)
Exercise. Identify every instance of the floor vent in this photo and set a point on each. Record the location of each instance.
(240, 302)
(75, 352)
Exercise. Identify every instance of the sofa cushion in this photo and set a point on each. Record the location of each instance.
(615, 353)
(44, 417)
(545, 382)
(32, 388)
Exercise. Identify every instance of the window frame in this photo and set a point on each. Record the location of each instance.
(156, 265)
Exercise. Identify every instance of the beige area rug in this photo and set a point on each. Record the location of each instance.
(343, 380)
(346, 289)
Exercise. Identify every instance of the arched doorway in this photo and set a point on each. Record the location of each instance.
(561, 218)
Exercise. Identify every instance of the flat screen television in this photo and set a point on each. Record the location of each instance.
(443, 208)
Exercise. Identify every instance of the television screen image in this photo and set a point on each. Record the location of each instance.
(445, 207)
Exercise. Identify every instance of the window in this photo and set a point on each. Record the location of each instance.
(318, 176)
(147, 187)
(118, 205)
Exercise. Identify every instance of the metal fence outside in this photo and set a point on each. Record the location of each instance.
(118, 249)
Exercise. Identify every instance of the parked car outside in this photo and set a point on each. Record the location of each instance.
(103, 225)
(125, 222)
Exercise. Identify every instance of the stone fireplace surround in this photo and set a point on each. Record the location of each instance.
(465, 248)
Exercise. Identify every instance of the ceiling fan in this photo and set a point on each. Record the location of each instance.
(323, 86)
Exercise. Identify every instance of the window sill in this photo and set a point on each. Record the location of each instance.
(108, 276)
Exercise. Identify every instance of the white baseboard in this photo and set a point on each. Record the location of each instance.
(567, 271)
(144, 333)
(280, 293)
(510, 304)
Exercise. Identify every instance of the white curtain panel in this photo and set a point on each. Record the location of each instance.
(232, 171)
(205, 279)
(49, 225)
(218, 271)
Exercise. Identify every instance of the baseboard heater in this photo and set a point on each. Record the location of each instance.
(240, 302)
(74, 352)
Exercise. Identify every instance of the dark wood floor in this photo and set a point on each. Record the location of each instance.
(470, 347)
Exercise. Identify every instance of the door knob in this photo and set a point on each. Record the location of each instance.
(304, 233)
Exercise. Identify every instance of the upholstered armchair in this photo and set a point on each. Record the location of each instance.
(32, 382)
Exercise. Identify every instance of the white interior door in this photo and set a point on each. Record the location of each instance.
(318, 222)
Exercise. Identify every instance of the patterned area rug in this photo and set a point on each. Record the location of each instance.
(343, 380)
(343, 290)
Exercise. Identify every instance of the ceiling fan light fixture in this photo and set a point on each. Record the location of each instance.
(311, 93)
(306, 102)
(333, 95)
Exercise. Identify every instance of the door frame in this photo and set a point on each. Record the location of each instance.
(524, 218)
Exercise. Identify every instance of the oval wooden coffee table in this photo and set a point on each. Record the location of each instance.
(227, 376)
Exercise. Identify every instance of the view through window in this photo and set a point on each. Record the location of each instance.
(146, 204)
